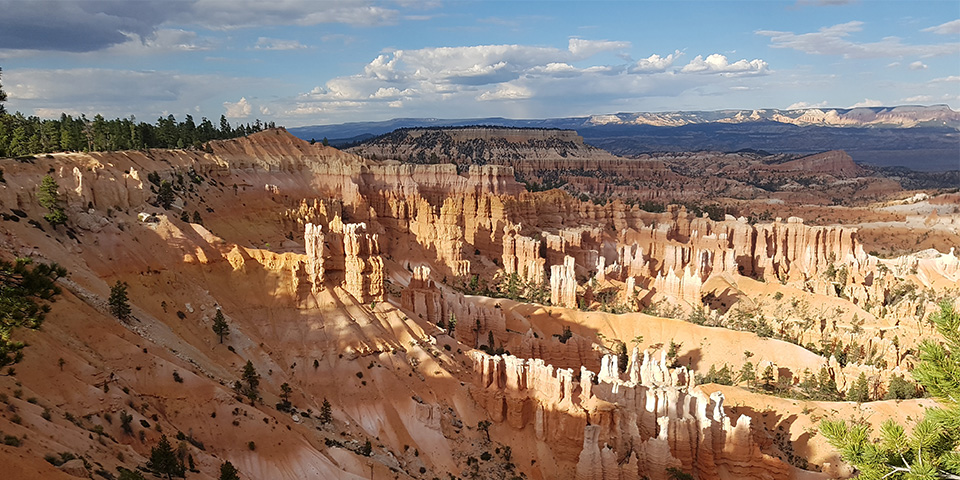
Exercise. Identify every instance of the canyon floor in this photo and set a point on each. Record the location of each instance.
(461, 325)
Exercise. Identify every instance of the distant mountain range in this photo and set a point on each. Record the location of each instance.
(925, 138)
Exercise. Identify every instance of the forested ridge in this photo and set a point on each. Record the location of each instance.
(30, 135)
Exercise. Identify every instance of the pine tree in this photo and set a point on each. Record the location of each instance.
(220, 326)
(860, 390)
(3, 95)
(252, 380)
(768, 377)
(930, 450)
(119, 303)
(24, 295)
(49, 198)
(229, 472)
(747, 374)
(326, 412)
(165, 195)
(197, 218)
(285, 392)
(164, 461)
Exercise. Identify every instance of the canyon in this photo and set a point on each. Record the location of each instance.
(463, 317)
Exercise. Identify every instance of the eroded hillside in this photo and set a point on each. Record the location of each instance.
(461, 325)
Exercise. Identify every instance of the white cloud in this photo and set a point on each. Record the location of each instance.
(950, 28)
(240, 109)
(264, 110)
(109, 91)
(867, 103)
(506, 92)
(918, 65)
(513, 79)
(223, 14)
(804, 105)
(918, 99)
(264, 43)
(581, 48)
(950, 79)
(717, 63)
(655, 63)
(833, 40)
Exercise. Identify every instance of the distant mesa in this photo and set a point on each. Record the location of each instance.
(923, 138)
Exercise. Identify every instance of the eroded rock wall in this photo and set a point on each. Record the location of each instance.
(623, 428)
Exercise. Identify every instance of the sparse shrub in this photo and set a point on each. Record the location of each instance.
(176, 377)
(252, 445)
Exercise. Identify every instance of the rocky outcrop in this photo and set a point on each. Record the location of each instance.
(521, 255)
(422, 297)
(623, 429)
(355, 265)
(563, 284)
(314, 245)
(362, 263)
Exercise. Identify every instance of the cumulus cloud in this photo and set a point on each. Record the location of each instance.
(833, 40)
(950, 28)
(717, 63)
(655, 63)
(512, 78)
(264, 43)
(918, 65)
(867, 103)
(240, 109)
(804, 105)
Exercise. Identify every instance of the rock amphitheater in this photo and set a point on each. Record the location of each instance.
(463, 326)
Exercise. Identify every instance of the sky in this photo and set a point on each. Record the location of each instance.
(309, 62)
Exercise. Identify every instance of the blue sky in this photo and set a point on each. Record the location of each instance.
(302, 62)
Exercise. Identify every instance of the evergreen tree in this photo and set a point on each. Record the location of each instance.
(252, 380)
(768, 377)
(165, 195)
(285, 391)
(3, 95)
(220, 326)
(25, 293)
(748, 374)
(326, 412)
(163, 460)
(197, 218)
(860, 390)
(229, 472)
(49, 198)
(119, 303)
(930, 450)
(900, 388)
(828, 386)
